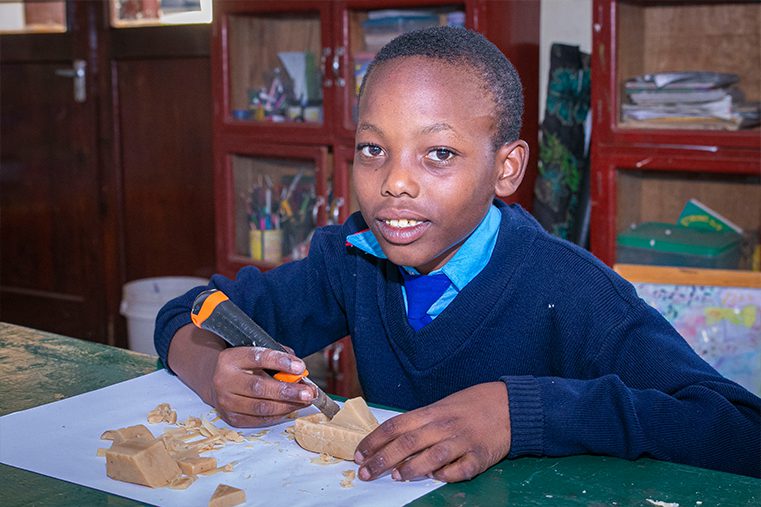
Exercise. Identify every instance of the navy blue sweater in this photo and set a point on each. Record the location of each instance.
(589, 367)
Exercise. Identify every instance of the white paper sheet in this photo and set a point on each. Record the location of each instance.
(61, 440)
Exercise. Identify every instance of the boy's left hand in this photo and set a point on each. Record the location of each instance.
(454, 439)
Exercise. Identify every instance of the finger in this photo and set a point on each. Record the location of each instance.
(262, 386)
(395, 441)
(463, 469)
(261, 358)
(255, 384)
(429, 460)
(385, 433)
(258, 407)
(239, 420)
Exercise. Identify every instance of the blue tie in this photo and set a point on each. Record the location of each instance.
(422, 291)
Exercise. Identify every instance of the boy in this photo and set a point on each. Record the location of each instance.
(500, 339)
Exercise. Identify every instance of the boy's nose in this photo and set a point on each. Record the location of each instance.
(400, 181)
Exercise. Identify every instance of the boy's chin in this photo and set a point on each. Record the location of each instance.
(422, 263)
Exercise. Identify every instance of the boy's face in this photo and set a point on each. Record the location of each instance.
(425, 168)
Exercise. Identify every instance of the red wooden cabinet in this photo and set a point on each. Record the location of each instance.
(262, 112)
(284, 85)
(648, 174)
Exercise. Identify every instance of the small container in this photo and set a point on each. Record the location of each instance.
(267, 245)
(242, 114)
(665, 244)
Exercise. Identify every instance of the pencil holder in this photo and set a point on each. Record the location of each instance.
(266, 245)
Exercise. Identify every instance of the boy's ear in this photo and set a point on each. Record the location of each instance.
(511, 161)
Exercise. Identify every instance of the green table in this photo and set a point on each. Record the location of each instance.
(38, 367)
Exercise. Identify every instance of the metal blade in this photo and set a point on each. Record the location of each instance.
(323, 403)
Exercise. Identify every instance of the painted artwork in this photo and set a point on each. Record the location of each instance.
(723, 324)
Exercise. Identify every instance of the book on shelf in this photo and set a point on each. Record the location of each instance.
(697, 215)
(687, 100)
(688, 80)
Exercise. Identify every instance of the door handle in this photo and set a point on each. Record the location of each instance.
(78, 72)
(340, 81)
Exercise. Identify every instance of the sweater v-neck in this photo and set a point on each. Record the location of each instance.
(424, 349)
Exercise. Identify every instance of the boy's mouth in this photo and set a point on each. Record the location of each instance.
(401, 231)
(402, 223)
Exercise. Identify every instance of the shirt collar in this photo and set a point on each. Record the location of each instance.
(470, 259)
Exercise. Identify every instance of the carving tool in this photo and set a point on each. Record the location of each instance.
(212, 310)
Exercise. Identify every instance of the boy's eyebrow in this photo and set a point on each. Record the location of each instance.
(364, 127)
(437, 127)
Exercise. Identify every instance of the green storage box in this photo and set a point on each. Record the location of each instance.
(674, 245)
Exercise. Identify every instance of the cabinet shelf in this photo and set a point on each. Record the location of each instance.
(641, 175)
(635, 37)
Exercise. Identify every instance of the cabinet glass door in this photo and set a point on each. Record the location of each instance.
(275, 67)
(276, 203)
(39, 16)
(688, 66)
(370, 30)
(132, 13)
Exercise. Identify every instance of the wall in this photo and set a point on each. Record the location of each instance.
(567, 22)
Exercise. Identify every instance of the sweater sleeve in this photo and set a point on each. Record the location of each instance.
(296, 303)
(644, 393)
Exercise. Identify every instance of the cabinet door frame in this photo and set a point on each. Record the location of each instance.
(606, 92)
(302, 133)
(345, 98)
(608, 161)
(343, 159)
(228, 262)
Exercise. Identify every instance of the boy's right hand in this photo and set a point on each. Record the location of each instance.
(232, 380)
(246, 396)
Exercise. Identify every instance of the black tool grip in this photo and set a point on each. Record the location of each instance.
(231, 324)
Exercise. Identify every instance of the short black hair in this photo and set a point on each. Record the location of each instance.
(461, 46)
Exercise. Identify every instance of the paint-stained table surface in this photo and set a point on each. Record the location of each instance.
(37, 367)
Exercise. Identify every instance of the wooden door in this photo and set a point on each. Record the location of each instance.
(51, 212)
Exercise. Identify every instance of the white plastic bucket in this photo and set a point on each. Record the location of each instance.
(141, 301)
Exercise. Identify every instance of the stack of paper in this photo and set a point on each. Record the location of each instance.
(687, 100)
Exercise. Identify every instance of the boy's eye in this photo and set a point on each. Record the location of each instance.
(440, 154)
(370, 150)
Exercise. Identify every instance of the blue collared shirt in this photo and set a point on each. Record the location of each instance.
(470, 259)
